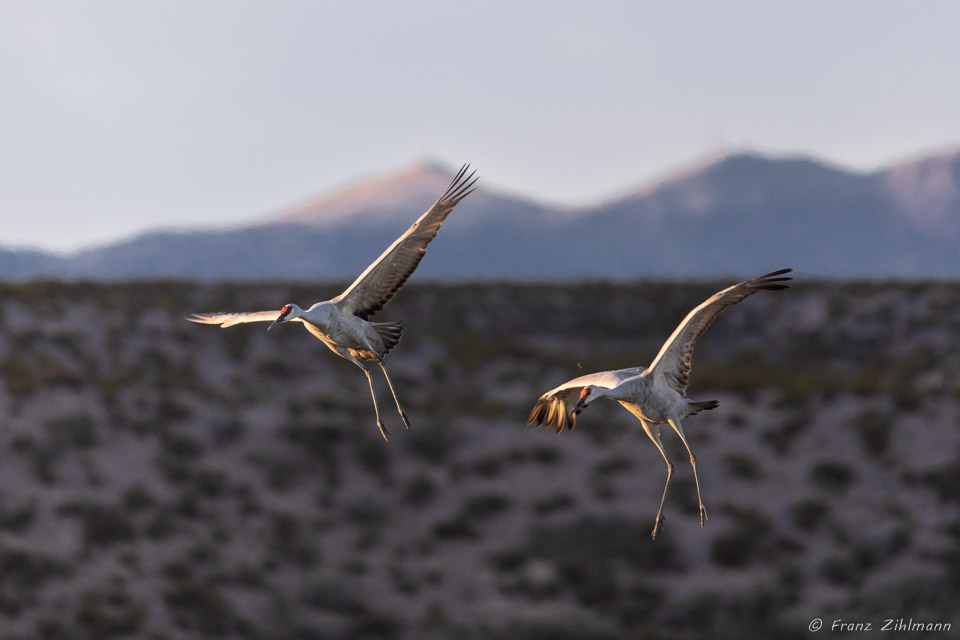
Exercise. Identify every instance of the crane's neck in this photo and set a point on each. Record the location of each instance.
(631, 389)
(320, 315)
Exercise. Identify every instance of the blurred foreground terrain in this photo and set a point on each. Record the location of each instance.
(160, 479)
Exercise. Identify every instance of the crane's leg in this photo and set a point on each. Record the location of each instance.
(654, 432)
(403, 414)
(376, 409)
(675, 423)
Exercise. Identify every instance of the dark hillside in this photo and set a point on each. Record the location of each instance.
(160, 479)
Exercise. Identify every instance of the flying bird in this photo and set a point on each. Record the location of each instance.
(343, 323)
(655, 395)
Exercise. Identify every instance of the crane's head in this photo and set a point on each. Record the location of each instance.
(287, 313)
(587, 395)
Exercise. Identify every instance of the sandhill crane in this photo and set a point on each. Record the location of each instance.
(655, 395)
(342, 323)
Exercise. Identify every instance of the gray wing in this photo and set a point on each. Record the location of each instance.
(554, 406)
(229, 319)
(377, 285)
(672, 364)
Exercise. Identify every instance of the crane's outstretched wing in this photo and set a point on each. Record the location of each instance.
(229, 319)
(554, 406)
(377, 285)
(672, 364)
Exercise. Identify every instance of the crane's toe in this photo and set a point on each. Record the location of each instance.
(406, 422)
(657, 526)
(703, 515)
(383, 430)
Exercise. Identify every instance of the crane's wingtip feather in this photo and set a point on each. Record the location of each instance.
(779, 272)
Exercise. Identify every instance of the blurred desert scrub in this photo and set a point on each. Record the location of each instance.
(186, 481)
(537, 328)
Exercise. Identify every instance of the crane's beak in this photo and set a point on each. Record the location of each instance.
(280, 320)
(582, 402)
(577, 408)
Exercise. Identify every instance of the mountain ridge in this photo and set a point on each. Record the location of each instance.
(737, 214)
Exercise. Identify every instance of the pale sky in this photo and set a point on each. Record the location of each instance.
(126, 115)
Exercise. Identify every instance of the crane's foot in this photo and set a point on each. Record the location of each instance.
(703, 515)
(383, 430)
(657, 526)
(403, 416)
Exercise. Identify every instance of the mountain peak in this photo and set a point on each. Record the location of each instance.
(736, 180)
(416, 185)
(928, 189)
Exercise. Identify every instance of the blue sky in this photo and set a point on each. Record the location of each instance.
(118, 116)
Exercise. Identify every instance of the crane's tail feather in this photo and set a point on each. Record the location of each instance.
(390, 333)
(696, 407)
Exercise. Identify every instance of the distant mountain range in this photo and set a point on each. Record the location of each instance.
(737, 215)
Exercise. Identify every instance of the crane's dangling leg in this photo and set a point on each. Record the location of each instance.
(654, 432)
(675, 423)
(403, 414)
(376, 409)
